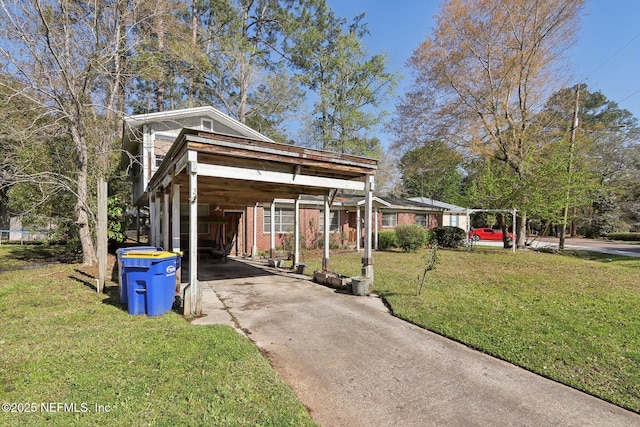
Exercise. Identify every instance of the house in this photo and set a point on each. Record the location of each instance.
(452, 215)
(207, 179)
(149, 137)
(346, 213)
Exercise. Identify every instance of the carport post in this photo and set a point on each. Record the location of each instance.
(375, 225)
(254, 247)
(296, 232)
(165, 220)
(358, 229)
(175, 218)
(195, 293)
(272, 231)
(152, 217)
(325, 258)
(157, 209)
(367, 259)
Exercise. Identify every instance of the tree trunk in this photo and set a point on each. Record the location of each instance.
(521, 233)
(81, 209)
(505, 232)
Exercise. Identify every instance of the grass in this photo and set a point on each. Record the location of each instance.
(573, 319)
(63, 343)
(13, 256)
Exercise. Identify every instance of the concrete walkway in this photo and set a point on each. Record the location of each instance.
(353, 364)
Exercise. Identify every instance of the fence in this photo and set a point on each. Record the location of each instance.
(22, 236)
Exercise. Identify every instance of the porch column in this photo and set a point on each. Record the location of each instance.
(138, 224)
(175, 218)
(195, 293)
(358, 229)
(158, 219)
(375, 222)
(272, 232)
(367, 259)
(165, 220)
(254, 247)
(296, 232)
(154, 219)
(327, 213)
(151, 235)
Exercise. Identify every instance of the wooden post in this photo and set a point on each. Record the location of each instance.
(272, 232)
(175, 227)
(254, 247)
(165, 220)
(367, 259)
(175, 218)
(358, 229)
(195, 293)
(296, 232)
(375, 224)
(101, 233)
(327, 224)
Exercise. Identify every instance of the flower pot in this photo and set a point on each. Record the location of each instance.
(360, 286)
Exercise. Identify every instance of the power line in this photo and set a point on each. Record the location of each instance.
(629, 96)
(611, 57)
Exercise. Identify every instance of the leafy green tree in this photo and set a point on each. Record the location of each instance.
(434, 171)
(348, 84)
(604, 141)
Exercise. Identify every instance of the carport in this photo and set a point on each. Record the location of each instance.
(231, 170)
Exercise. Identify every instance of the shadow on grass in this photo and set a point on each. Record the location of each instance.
(43, 254)
(112, 292)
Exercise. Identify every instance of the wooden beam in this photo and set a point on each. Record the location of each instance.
(219, 171)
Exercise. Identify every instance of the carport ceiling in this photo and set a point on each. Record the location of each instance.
(247, 168)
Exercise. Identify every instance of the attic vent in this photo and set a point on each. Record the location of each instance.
(207, 125)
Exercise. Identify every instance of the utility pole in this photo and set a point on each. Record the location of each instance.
(572, 143)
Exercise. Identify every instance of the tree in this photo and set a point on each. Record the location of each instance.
(432, 171)
(349, 84)
(65, 60)
(491, 66)
(604, 140)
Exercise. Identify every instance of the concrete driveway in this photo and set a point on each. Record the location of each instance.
(353, 364)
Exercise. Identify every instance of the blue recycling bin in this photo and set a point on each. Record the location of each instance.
(122, 279)
(151, 281)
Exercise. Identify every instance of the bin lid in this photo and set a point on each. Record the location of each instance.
(149, 254)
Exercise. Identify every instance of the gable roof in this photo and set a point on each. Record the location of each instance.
(135, 122)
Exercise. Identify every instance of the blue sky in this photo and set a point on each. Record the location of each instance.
(606, 56)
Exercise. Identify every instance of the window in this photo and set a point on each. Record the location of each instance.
(283, 220)
(203, 212)
(159, 159)
(207, 125)
(454, 220)
(389, 220)
(422, 219)
(334, 221)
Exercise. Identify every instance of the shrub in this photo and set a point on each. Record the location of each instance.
(387, 240)
(449, 237)
(411, 237)
(628, 237)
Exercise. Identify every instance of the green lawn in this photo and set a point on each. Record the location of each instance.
(574, 319)
(63, 343)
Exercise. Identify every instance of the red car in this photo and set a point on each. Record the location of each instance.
(478, 234)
